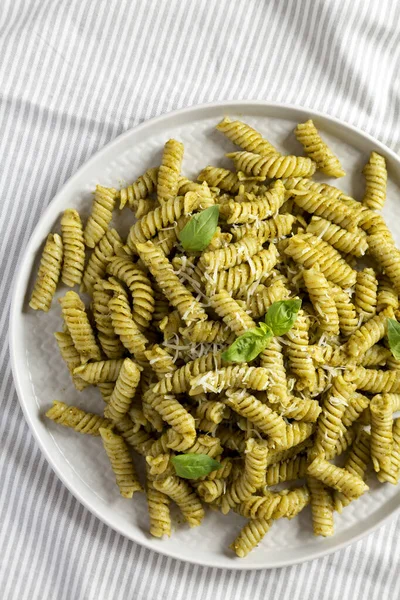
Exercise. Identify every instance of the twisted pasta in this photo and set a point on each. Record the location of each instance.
(97, 263)
(241, 376)
(259, 302)
(288, 470)
(377, 356)
(375, 381)
(260, 208)
(140, 439)
(368, 334)
(349, 242)
(250, 536)
(207, 197)
(291, 502)
(100, 218)
(139, 189)
(268, 230)
(356, 405)
(121, 463)
(263, 417)
(387, 255)
(273, 165)
(387, 295)
(139, 286)
(224, 179)
(180, 492)
(48, 274)
(161, 269)
(336, 477)
(375, 182)
(77, 419)
(169, 171)
(102, 371)
(74, 248)
(231, 312)
(246, 137)
(105, 389)
(76, 319)
(211, 332)
(161, 217)
(160, 361)
(365, 300)
(299, 409)
(295, 433)
(232, 255)
(109, 341)
(308, 250)
(173, 413)
(219, 240)
(356, 464)
(381, 431)
(295, 350)
(272, 360)
(125, 327)
(330, 425)
(124, 391)
(71, 356)
(158, 507)
(326, 161)
(321, 508)
(319, 292)
(242, 276)
(391, 473)
(250, 479)
(348, 321)
(329, 208)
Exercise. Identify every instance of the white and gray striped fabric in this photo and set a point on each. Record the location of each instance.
(74, 74)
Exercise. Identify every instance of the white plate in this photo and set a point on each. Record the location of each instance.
(41, 376)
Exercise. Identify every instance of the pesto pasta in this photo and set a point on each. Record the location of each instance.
(241, 330)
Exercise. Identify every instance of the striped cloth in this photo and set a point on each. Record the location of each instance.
(74, 74)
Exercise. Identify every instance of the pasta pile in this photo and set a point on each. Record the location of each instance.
(202, 265)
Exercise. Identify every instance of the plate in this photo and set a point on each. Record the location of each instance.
(41, 376)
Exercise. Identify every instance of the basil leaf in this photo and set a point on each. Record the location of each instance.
(193, 466)
(249, 345)
(197, 233)
(394, 337)
(282, 314)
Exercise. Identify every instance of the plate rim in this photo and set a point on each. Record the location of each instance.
(19, 292)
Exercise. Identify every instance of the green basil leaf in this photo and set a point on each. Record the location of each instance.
(197, 233)
(394, 337)
(193, 466)
(282, 314)
(249, 345)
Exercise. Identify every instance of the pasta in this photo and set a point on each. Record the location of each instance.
(318, 289)
(273, 165)
(97, 263)
(48, 274)
(365, 299)
(139, 189)
(121, 462)
(124, 391)
(381, 431)
(100, 218)
(74, 248)
(237, 333)
(77, 419)
(77, 322)
(246, 137)
(169, 171)
(375, 180)
(348, 242)
(180, 492)
(139, 286)
(326, 161)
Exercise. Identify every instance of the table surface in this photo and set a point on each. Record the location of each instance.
(73, 76)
